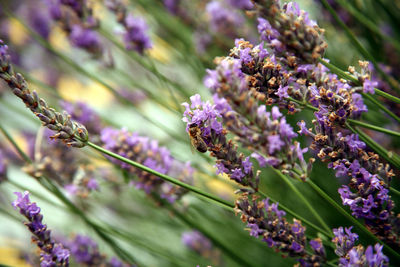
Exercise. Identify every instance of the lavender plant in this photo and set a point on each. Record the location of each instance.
(51, 253)
(266, 102)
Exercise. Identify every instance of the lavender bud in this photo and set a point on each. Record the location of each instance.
(207, 133)
(147, 152)
(197, 242)
(71, 132)
(135, 35)
(85, 251)
(267, 221)
(290, 31)
(351, 255)
(51, 254)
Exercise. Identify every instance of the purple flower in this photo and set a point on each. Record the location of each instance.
(70, 132)
(172, 6)
(305, 44)
(237, 102)
(265, 220)
(85, 251)
(222, 18)
(51, 254)
(242, 4)
(135, 36)
(197, 242)
(84, 114)
(147, 152)
(203, 125)
(351, 255)
(85, 38)
(369, 86)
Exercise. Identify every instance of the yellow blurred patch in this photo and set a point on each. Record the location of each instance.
(18, 34)
(222, 188)
(58, 39)
(93, 93)
(39, 74)
(99, 9)
(160, 50)
(21, 141)
(9, 256)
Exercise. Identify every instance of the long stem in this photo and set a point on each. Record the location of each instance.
(162, 176)
(191, 223)
(305, 201)
(373, 127)
(381, 106)
(350, 218)
(393, 83)
(395, 191)
(192, 188)
(14, 144)
(368, 23)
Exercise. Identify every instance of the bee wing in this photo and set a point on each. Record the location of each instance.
(192, 146)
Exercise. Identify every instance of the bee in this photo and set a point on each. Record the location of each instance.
(196, 139)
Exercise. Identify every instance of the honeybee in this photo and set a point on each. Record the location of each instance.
(196, 139)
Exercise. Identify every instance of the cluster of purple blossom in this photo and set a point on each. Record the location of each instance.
(52, 254)
(135, 35)
(291, 78)
(223, 20)
(197, 242)
(81, 249)
(266, 133)
(85, 251)
(351, 255)
(243, 84)
(147, 152)
(204, 118)
(77, 20)
(267, 221)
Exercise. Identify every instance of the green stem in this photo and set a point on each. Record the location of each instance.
(192, 224)
(368, 23)
(140, 242)
(364, 52)
(14, 144)
(381, 106)
(387, 96)
(163, 176)
(395, 191)
(305, 201)
(297, 216)
(373, 127)
(350, 218)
